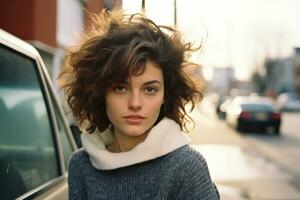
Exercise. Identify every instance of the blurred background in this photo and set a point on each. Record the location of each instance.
(247, 125)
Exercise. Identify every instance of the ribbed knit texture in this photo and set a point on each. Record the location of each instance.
(181, 174)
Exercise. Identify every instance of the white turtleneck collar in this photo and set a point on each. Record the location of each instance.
(163, 138)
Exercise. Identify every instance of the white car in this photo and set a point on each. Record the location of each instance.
(35, 138)
(288, 102)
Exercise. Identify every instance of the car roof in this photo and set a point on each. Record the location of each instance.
(9, 40)
(252, 100)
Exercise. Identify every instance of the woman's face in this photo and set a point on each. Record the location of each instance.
(133, 106)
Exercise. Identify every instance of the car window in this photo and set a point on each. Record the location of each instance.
(28, 155)
(67, 147)
(257, 107)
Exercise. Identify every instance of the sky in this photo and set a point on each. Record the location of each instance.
(233, 33)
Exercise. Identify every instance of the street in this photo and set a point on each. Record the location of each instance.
(251, 165)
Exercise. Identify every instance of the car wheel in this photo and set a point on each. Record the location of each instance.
(276, 130)
(239, 127)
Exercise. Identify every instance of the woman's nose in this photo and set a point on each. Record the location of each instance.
(135, 102)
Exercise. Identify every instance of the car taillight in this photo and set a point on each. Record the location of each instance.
(275, 116)
(245, 115)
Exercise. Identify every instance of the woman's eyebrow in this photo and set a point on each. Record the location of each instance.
(128, 83)
(151, 82)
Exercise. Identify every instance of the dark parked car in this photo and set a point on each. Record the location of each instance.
(35, 138)
(253, 114)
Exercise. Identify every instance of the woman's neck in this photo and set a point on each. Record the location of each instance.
(123, 143)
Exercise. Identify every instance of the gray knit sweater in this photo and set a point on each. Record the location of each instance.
(179, 172)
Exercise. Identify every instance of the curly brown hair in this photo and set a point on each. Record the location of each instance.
(117, 46)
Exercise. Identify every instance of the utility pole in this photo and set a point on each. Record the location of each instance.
(143, 6)
(175, 13)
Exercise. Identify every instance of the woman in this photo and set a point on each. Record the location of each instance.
(127, 86)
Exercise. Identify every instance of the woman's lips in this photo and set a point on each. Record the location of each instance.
(134, 119)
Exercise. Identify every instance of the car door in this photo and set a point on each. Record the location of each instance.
(35, 139)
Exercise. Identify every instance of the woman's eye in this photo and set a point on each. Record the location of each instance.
(119, 89)
(150, 90)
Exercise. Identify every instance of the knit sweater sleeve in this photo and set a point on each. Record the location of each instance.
(195, 180)
(75, 179)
